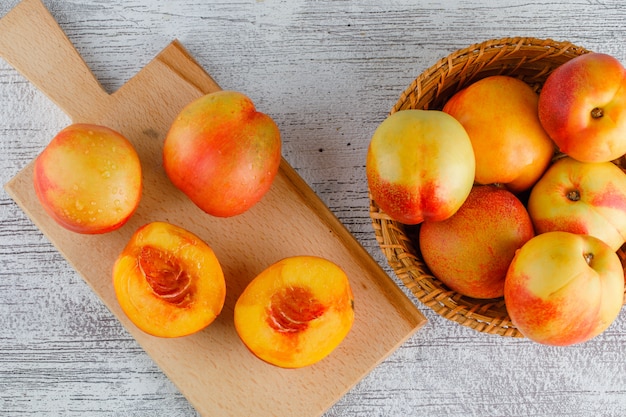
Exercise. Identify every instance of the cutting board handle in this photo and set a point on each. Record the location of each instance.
(29, 33)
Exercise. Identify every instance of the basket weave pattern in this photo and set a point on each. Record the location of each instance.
(528, 59)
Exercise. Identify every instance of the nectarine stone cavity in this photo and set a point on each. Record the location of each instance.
(164, 274)
(292, 308)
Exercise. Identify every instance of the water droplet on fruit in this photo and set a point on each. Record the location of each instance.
(117, 203)
(79, 206)
(106, 174)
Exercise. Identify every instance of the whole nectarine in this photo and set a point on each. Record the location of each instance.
(420, 166)
(582, 106)
(499, 114)
(581, 197)
(563, 288)
(88, 179)
(471, 251)
(222, 153)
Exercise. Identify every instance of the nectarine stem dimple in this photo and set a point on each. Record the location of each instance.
(573, 195)
(597, 113)
(292, 309)
(165, 276)
(588, 257)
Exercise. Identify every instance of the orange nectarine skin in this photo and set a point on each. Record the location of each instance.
(470, 252)
(222, 153)
(500, 116)
(88, 179)
(295, 312)
(168, 281)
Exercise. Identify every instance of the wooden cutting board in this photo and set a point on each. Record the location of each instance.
(212, 369)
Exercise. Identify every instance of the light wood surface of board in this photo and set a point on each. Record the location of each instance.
(328, 72)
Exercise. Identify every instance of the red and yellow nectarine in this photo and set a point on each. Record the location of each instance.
(583, 198)
(471, 251)
(88, 179)
(420, 166)
(222, 153)
(582, 106)
(563, 288)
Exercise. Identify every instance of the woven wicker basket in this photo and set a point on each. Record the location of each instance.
(526, 58)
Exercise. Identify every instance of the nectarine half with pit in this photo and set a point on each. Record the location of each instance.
(168, 281)
(88, 179)
(295, 312)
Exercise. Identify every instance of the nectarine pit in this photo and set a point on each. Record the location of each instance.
(165, 275)
(292, 308)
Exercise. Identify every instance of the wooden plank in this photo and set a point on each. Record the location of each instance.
(212, 368)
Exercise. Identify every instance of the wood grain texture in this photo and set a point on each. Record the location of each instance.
(327, 71)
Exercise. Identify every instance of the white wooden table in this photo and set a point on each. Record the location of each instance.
(327, 72)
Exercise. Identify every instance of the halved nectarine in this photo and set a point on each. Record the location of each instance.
(295, 312)
(168, 281)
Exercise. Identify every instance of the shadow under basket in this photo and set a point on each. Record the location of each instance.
(528, 59)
